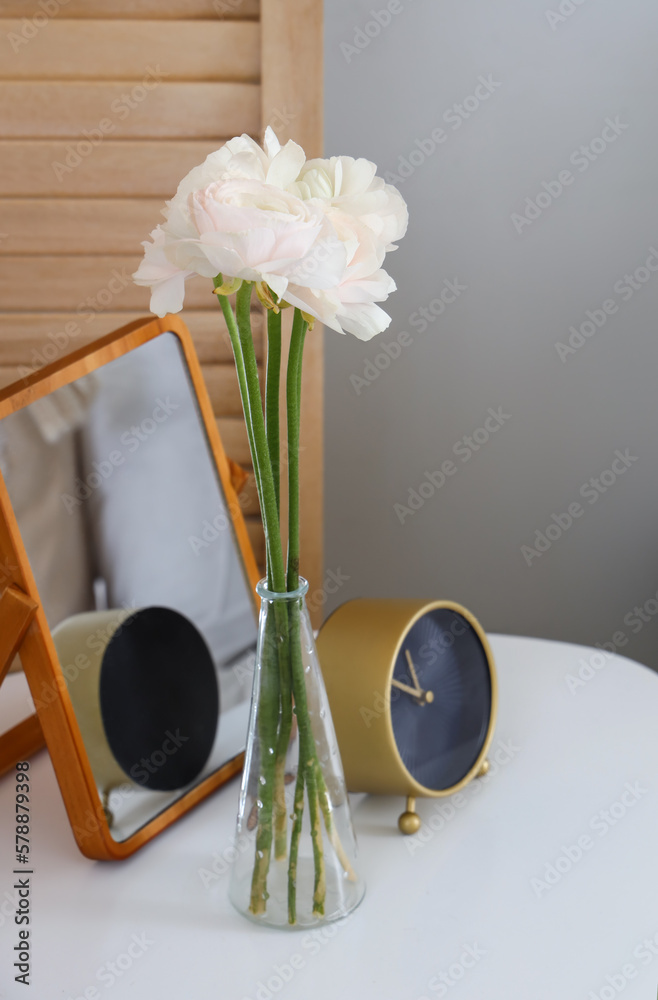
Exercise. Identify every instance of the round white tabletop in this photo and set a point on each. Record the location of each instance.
(538, 881)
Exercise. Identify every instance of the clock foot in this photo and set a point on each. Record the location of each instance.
(484, 769)
(409, 821)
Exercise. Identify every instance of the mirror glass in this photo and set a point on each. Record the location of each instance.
(123, 517)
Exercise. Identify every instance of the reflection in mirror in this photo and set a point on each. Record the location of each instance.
(123, 517)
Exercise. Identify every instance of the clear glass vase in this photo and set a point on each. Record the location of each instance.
(295, 843)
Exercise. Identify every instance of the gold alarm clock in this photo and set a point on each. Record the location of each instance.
(413, 694)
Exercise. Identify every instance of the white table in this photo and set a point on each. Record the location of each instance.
(457, 901)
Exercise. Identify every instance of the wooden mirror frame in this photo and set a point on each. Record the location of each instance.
(23, 625)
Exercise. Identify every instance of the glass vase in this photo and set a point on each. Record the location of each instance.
(295, 845)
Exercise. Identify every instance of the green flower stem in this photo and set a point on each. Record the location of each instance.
(268, 716)
(297, 816)
(267, 495)
(293, 394)
(332, 833)
(282, 743)
(293, 398)
(307, 752)
(272, 398)
(320, 883)
(270, 679)
(272, 402)
(306, 773)
(242, 378)
(247, 369)
(282, 674)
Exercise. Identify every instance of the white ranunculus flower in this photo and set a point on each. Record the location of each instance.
(316, 233)
(351, 307)
(239, 159)
(352, 186)
(245, 229)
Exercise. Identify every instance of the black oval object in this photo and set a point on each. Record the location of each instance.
(440, 742)
(159, 699)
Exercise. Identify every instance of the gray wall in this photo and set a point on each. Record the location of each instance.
(553, 87)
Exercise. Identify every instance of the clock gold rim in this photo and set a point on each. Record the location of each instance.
(416, 788)
(352, 644)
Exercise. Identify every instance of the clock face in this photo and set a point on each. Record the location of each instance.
(440, 723)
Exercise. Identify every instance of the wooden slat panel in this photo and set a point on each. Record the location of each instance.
(8, 375)
(211, 337)
(257, 539)
(154, 9)
(24, 335)
(233, 433)
(169, 110)
(223, 389)
(249, 498)
(65, 284)
(155, 168)
(77, 225)
(121, 50)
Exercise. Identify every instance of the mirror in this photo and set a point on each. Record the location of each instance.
(144, 575)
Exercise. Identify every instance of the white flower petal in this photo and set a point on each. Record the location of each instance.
(320, 304)
(167, 296)
(284, 168)
(271, 144)
(278, 284)
(365, 321)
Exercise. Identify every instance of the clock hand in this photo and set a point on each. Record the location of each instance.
(423, 697)
(406, 688)
(412, 669)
